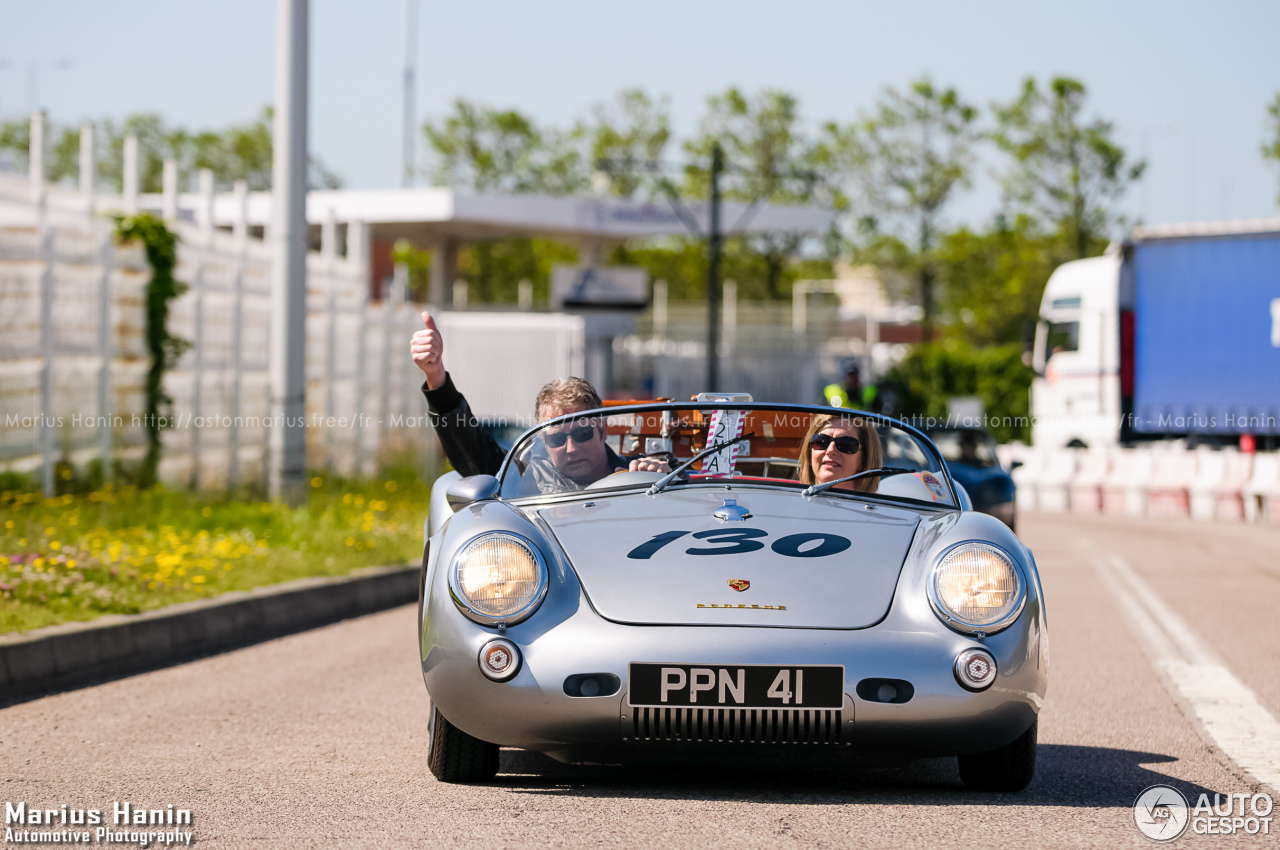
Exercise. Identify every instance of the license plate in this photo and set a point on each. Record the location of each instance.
(735, 686)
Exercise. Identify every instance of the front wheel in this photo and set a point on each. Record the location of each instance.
(1009, 768)
(455, 756)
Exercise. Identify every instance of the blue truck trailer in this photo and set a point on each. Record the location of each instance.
(1174, 333)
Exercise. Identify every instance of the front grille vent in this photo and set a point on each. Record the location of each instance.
(736, 725)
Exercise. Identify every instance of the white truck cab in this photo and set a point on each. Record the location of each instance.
(1075, 396)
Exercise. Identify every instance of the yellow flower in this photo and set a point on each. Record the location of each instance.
(317, 482)
(207, 511)
(350, 541)
(71, 563)
(391, 486)
(55, 545)
(197, 579)
(8, 523)
(50, 531)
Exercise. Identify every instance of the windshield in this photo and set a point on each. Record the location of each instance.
(970, 446)
(790, 445)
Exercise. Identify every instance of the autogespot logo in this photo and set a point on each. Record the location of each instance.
(1161, 813)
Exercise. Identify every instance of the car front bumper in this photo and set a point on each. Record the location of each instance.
(532, 710)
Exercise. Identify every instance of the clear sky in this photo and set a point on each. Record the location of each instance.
(1192, 79)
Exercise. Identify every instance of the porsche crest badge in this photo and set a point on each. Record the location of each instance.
(739, 584)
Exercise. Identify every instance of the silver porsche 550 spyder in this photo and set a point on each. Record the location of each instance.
(736, 606)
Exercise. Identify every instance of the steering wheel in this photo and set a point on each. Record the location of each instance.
(625, 479)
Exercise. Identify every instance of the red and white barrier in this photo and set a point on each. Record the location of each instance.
(1053, 485)
(1124, 490)
(1086, 486)
(1169, 489)
(1159, 480)
(1262, 493)
(1230, 491)
(1025, 476)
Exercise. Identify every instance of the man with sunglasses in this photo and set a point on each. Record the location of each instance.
(576, 452)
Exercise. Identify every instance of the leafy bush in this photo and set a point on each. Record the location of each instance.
(933, 373)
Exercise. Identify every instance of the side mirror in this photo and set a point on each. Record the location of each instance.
(473, 488)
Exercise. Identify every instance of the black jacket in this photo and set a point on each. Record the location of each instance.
(471, 449)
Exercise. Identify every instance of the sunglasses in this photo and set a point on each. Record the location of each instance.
(580, 434)
(844, 445)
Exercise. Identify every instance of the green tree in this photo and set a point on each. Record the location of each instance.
(15, 140)
(992, 281)
(1271, 147)
(489, 150)
(767, 159)
(628, 137)
(907, 159)
(241, 152)
(1066, 168)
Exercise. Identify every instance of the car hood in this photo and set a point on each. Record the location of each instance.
(825, 563)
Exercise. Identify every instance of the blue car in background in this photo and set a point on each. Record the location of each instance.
(970, 454)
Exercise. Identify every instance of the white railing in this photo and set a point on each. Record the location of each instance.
(73, 354)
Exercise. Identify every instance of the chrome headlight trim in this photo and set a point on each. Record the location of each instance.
(964, 626)
(460, 599)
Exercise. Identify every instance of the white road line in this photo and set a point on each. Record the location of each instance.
(1233, 716)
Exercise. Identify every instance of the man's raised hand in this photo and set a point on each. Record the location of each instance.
(427, 348)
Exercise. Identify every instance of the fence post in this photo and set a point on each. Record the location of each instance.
(105, 350)
(329, 253)
(799, 293)
(240, 233)
(390, 300)
(526, 295)
(660, 337)
(197, 386)
(729, 321)
(130, 187)
(358, 254)
(401, 286)
(169, 198)
(88, 165)
(459, 295)
(47, 431)
(35, 155)
(204, 214)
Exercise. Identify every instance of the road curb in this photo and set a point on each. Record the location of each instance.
(74, 654)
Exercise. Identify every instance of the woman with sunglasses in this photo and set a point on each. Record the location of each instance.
(837, 446)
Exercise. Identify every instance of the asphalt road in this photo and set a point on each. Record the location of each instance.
(320, 738)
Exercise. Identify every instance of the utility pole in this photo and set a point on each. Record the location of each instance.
(410, 72)
(713, 273)
(288, 434)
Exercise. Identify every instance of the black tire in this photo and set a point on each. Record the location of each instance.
(1009, 768)
(455, 756)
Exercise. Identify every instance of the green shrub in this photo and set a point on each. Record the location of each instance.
(935, 372)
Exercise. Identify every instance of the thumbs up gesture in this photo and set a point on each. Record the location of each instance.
(427, 348)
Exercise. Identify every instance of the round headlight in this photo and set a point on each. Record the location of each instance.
(498, 578)
(976, 587)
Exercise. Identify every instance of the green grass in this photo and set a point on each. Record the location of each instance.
(126, 550)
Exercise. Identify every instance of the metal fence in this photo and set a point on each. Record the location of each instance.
(73, 357)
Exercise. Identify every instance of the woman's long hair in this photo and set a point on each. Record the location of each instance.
(872, 453)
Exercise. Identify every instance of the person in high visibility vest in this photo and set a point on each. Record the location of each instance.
(851, 394)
